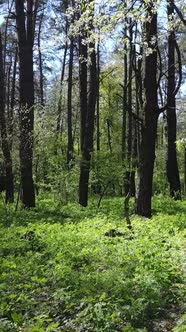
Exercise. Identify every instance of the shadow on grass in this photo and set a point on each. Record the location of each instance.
(48, 211)
(168, 206)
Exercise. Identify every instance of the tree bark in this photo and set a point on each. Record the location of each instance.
(172, 164)
(129, 177)
(185, 170)
(12, 99)
(40, 61)
(25, 28)
(97, 105)
(83, 85)
(89, 129)
(69, 106)
(124, 99)
(9, 184)
(59, 106)
(149, 129)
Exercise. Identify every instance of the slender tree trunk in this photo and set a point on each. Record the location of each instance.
(172, 164)
(40, 61)
(59, 107)
(12, 99)
(149, 129)
(108, 120)
(7, 97)
(97, 105)
(25, 28)
(69, 106)
(124, 103)
(83, 85)
(139, 103)
(109, 139)
(4, 137)
(185, 170)
(128, 177)
(89, 130)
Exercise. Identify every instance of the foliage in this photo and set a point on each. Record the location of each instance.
(60, 272)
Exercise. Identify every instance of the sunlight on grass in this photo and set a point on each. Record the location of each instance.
(61, 270)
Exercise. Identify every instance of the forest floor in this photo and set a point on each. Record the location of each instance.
(71, 269)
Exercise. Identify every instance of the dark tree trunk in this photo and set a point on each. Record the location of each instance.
(149, 129)
(40, 62)
(109, 139)
(139, 97)
(25, 28)
(128, 176)
(138, 84)
(136, 116)
(69, 106)
(124, 103)
(7, 97)
(89, 131)
(83, 85)
(185, 170)
(97, 105)
(172, 164)
(108, 120)
(9, 185)
(12, 98)
(59, 107)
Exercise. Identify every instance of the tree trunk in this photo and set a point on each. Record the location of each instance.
(9, 185)
(59, 106)
(139, 100)
(40, 62)
(97, 105)
(25, 30)
(109, 139)
(128, 177)
(149, 129)
(89, 131)
(124, 101)
(172, 164)
(83, 85)
(69, 106)
(12, 99)
(7, 94)
(185, 170)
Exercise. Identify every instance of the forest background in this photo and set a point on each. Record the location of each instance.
(92, 165)
(91, 126)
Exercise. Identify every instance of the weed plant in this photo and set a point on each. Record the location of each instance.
(60, 270)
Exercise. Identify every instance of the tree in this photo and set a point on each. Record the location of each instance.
(40, 59)
(82, 80)
(98, 93)
(9, 184)
(87, 140)
(149, 128)
(25, 23)
(69, 104)
(172, 164)
(129, 186)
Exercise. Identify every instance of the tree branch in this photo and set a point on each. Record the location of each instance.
(178, 11)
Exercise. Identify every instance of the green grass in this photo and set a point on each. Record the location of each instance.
(60, 272)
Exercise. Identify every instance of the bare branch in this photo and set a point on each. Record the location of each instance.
(178, 11)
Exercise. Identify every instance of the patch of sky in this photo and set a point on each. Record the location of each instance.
(1, 19)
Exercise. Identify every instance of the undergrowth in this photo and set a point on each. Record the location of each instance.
(62, 269)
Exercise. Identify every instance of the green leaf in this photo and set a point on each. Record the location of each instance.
(17, 318)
